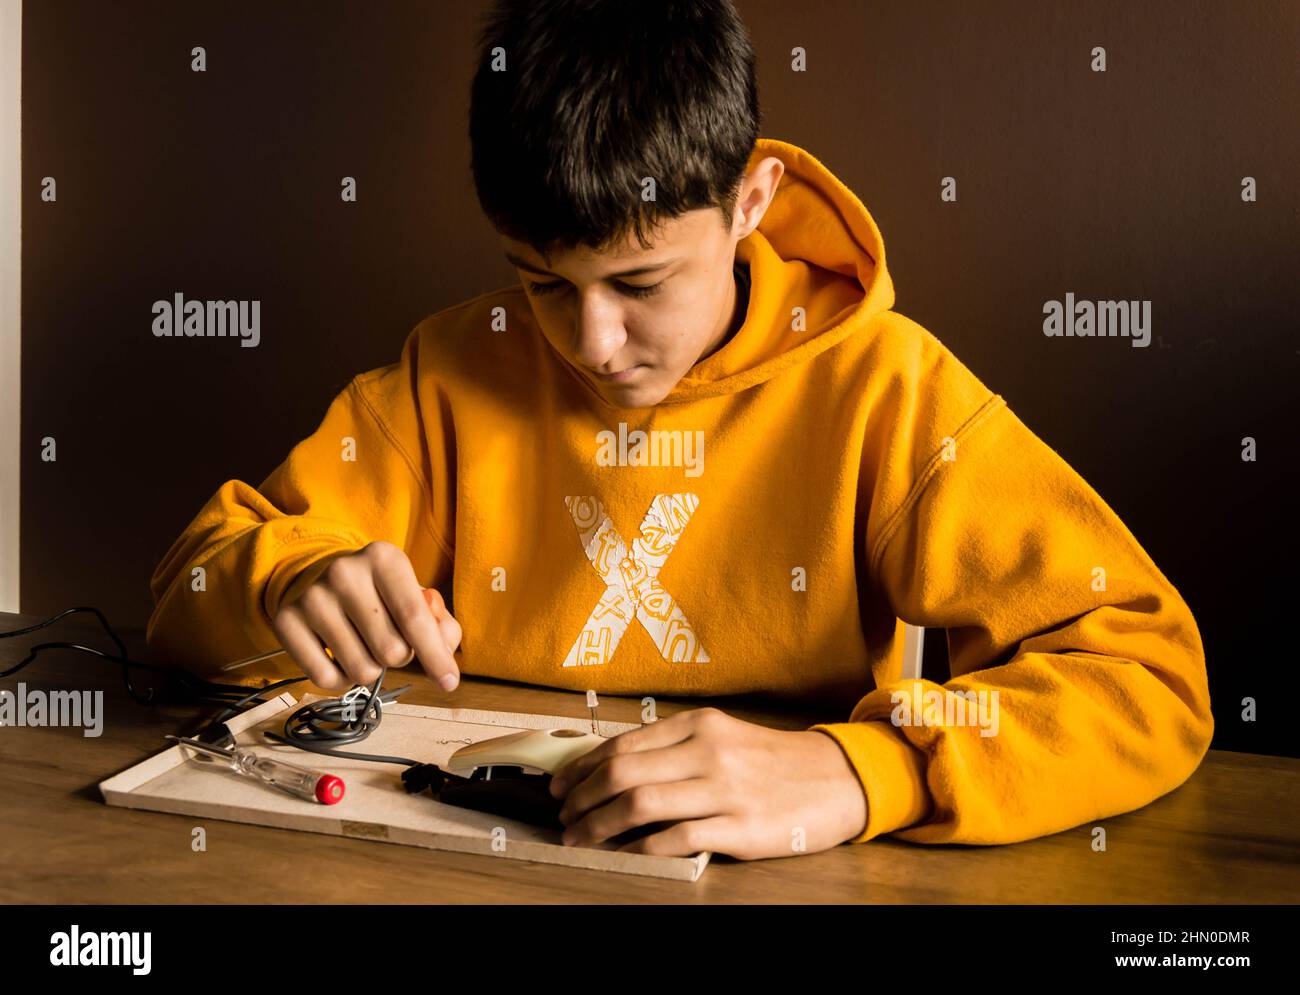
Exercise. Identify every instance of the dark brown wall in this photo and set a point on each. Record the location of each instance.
(1115, 185)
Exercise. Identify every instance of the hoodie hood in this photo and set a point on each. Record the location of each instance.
(817, 248)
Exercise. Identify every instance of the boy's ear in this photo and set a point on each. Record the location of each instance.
(756, 192)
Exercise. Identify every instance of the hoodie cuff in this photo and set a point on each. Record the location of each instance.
(299, 570)
(891, 771)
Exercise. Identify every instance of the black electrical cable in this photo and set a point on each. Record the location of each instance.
(337, 720)
(331, 720)
(121, 656)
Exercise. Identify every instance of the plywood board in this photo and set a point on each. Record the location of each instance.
(375, 805)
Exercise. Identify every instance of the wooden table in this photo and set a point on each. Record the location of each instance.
(1229, 835)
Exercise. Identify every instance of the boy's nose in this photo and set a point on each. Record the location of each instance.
(597, 347)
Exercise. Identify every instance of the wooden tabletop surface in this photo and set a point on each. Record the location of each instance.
(1228, 835)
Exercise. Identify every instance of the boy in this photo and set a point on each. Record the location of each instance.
(697, 453)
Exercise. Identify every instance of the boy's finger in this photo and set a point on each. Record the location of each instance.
(325, 615)
(654, 736)
(366, 610)
(297, 637)
(450, 633)
(415, 619)
(433, 598)
(447, 624)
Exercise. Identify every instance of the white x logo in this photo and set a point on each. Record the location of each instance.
(634, 590)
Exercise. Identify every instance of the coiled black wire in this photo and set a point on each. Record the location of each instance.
(338, 721)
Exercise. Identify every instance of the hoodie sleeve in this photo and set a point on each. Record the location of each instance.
(1088, 663)
(363, 476)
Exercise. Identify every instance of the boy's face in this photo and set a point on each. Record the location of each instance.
(646, 316)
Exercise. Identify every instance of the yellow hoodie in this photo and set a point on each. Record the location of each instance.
(831, 470)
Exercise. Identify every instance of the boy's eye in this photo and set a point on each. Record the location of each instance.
(640, 291)
(627, 288)
(543, 288)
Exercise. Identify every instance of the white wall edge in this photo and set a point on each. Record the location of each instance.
(11, 85)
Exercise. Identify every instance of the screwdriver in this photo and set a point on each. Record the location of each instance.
(298, 781)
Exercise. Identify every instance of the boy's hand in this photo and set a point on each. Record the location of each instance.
(728, 786)
(371, 612)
